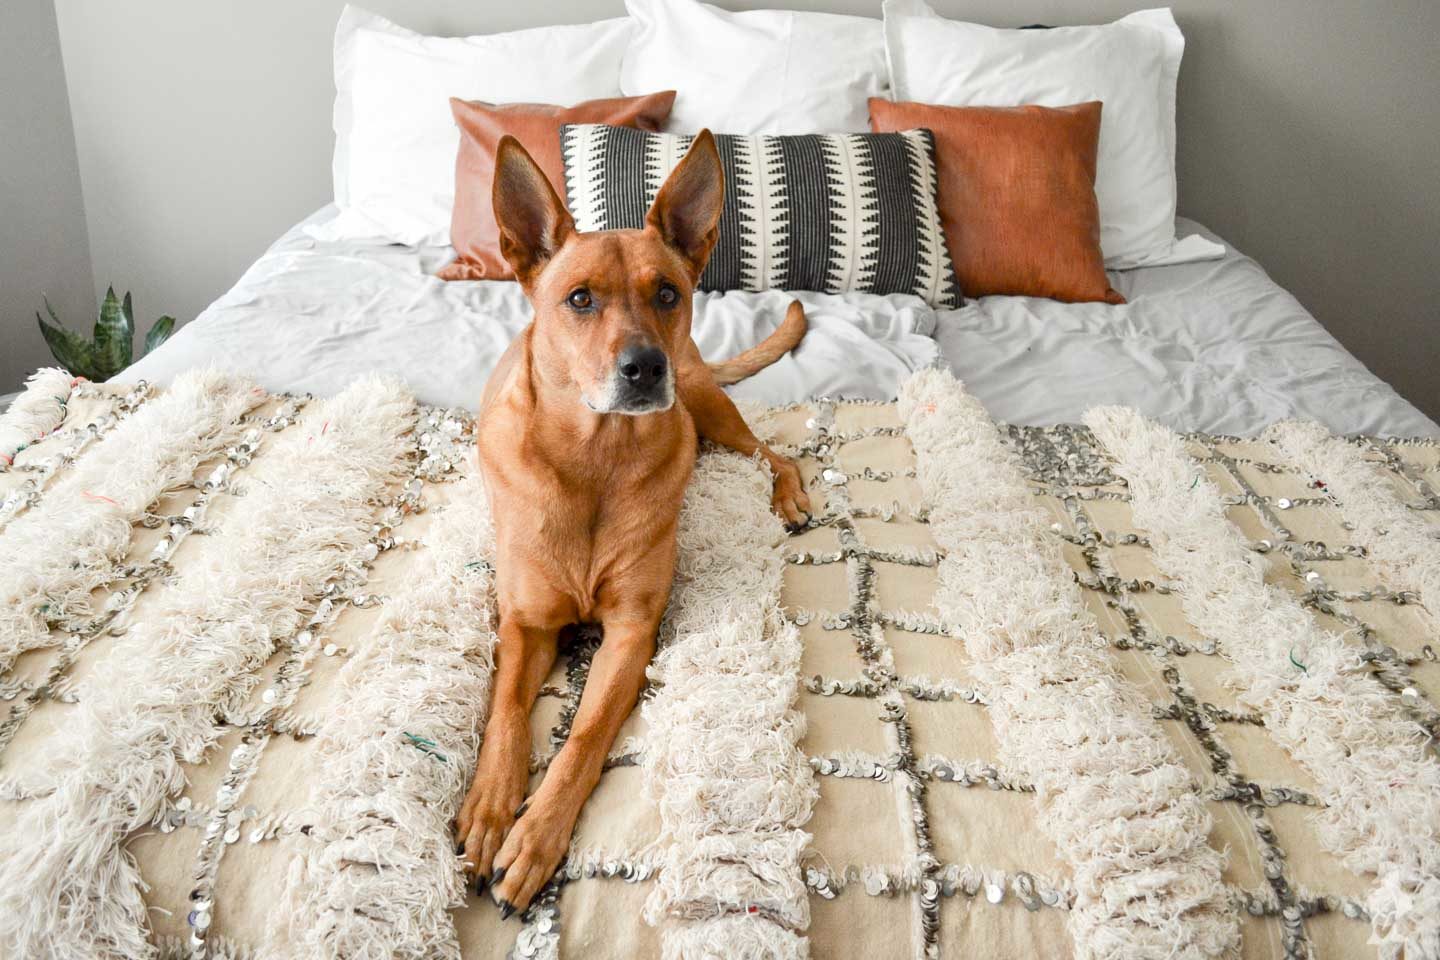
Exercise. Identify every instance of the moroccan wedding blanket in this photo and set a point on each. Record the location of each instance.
(1101, 690)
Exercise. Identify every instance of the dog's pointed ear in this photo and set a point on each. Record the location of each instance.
(687, 209)
(533, 223)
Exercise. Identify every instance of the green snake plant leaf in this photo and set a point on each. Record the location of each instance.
(71, 349)
(127, 313)
(114, 336)
(159, 333)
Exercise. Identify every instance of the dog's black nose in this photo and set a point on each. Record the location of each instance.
(642, 367)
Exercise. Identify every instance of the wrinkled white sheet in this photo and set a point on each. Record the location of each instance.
(312, 315)
(1214, 346)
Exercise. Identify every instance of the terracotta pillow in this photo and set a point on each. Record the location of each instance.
(473, 232)
(1016, 194)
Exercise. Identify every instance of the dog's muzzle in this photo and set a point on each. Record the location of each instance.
(641, 382)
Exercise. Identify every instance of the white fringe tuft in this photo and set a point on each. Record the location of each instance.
(66, 546)
(1401, 544)
(1380, 788)
(68, 888)
(735, 936)
(35, 413)
(1118, 803)
(71, 440)
(723, 762)
(382, 876)
(216, 948)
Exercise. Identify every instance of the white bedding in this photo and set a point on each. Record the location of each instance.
(311, 315)
(1214, 346)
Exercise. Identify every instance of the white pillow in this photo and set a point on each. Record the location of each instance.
(759, 71)
(1131, 65)
(395, 138)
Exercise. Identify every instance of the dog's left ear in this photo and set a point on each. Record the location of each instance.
(687, 209)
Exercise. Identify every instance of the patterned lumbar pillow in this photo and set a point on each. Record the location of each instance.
(830, 212)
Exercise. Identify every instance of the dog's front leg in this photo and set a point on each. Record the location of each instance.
(538, 841)
(523, 658)
(717, 420)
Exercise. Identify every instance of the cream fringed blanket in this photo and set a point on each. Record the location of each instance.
(1101, 691)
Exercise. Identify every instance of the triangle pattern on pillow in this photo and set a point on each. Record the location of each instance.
(835, 213)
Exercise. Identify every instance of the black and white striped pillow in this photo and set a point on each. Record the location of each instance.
(831, 212)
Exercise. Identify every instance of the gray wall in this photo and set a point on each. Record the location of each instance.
(43, 247)
(1309, 137)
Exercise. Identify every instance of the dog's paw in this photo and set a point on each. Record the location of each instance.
(486, 818)
(532, 852)
(788, 498)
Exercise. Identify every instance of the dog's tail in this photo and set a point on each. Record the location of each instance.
(764, 353)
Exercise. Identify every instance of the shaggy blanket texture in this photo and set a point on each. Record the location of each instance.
(1102, 691)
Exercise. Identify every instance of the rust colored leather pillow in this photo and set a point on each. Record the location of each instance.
(1016, 194)
(473, 231)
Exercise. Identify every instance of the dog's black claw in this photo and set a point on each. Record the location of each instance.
(459, 849)
(497, 876)
(480, 886)
(506, 910)
(521, 811)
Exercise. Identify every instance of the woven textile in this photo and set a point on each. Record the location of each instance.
(986, 704)
(832, 212)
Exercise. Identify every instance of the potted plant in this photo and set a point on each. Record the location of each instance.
(111, 348)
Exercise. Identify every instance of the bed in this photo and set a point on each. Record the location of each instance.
(860, 772)
(1111, 635)
(1214, 346)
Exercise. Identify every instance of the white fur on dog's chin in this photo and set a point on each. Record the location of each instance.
(610, 400)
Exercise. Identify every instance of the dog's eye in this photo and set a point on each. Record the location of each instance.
(580, 299)
(668, 295)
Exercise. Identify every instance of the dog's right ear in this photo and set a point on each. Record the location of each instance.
(533, 222)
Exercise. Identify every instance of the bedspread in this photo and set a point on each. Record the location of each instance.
(1100, 690)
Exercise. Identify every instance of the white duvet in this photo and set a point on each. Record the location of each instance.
(312, 315)
(1214, 346)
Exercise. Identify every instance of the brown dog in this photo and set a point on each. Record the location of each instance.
(587, 439)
